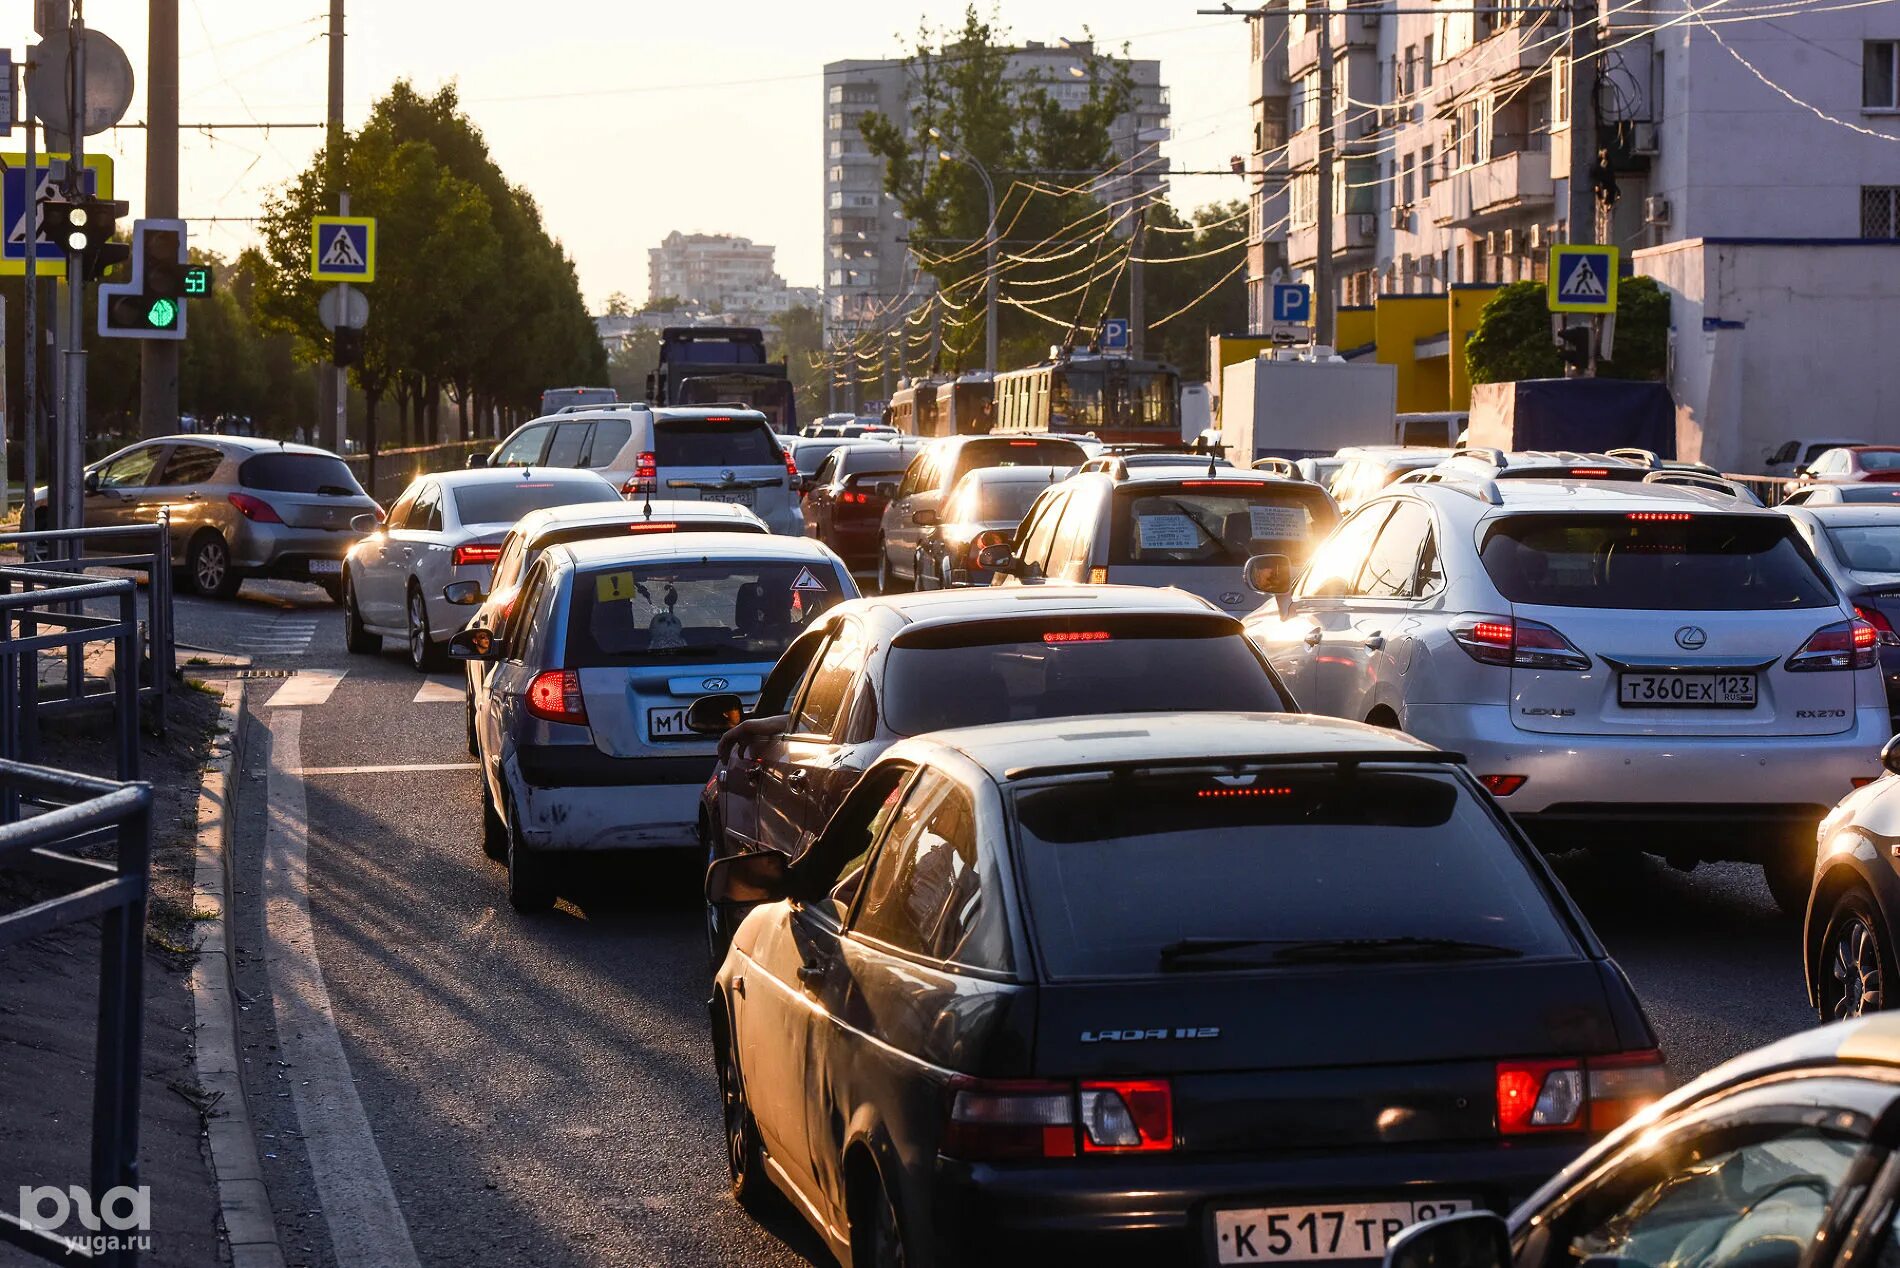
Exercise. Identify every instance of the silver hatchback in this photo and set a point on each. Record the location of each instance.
(240, 507)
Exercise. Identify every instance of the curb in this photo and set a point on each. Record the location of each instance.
(243, 1204)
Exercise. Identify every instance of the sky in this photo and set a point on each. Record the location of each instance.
(627, 118)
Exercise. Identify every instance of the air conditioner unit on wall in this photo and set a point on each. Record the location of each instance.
(1656, 210)
(1537, 237)
(1401, 217)
(1507, 242)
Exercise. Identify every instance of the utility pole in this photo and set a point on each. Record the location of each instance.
(31, 436)
(70, 448)
(333, 389)
(1137, 297)
(158, 358)
(1582, 73)
(1323, 283)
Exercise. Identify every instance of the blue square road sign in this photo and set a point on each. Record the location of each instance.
(1292, 302)
(1115, 334)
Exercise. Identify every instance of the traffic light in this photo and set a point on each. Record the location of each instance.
(348, 348)
(83, 226)
(1574, 346)
(152, 304)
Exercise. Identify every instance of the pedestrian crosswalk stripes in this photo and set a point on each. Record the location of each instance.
(308, 688)
(435, 691)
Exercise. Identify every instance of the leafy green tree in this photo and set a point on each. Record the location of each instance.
(1512, 339)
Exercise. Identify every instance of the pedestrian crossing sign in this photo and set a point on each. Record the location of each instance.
(1582, 279)
(343, 249)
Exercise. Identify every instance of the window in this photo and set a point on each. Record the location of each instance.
(610, 437)
(1392, 565)
(1880, 211)
(132, 470)
(1336, 565)
(1425, 171)
(1425, 64)
(525, 449)
(570, 441)
(926, 892)
(399, 513)
(914, 474)
(693, 610)
(1040, 535)
(1217, 524)
(1880, 75)
(1074, 540)
(1408, 79)
(299, 473)
(522, 617)
(823, 700)
(1406, 190)
(506, 503)
(427, 515)
(191, 464)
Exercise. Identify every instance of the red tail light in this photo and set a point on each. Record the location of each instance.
(1017, 1118)
(1501, 640)
(1594, 1093)
(475, 553)
(257, 510)
(1883, 628)
(1126, 1116)
(1503, 785)
(645, 477)
(1844, 645)
(851, 497)
(653, 526)
(791, 467)
(1077, 636)
(1623, 1086)
(555, 696)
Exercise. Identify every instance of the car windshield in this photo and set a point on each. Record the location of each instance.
(707, 611)
(715, 442)
(1654, 560)
(1878, 459)
(507, 501)
(1217, 522)
(1867, 547)
(319, 473)
(1125, 872)
(1000, 671)
(1018, 453)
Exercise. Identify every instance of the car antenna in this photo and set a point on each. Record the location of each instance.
(1210, 463)
(649, 504)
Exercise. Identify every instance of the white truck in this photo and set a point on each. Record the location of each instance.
(1296, 404)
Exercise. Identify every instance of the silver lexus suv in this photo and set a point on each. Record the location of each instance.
(1626, 665)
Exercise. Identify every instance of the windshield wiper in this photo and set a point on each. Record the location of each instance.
(1189, 953)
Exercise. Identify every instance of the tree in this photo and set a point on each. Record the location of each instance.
(630, 363)
(1512, 339)
(618, 305)
(1191, 282)
(801, 341)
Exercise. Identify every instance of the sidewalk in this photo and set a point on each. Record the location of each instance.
(48, 998)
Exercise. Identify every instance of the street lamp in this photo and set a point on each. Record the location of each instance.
(989, 255)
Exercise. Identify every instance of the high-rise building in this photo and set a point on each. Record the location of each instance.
(871, 278)
(717, 270)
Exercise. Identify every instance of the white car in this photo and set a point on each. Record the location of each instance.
(445, 528)
(1627, 666)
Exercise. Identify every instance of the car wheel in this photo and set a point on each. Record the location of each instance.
(880, 1243)
(494, 831)
(744, 1158)
(357, 640)
(423, 652)
(208, 568)
(1790, 875)
(1855, 964)
(530, 884)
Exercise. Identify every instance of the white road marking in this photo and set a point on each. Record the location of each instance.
(367, 1229)
(435, 691)
(306, 687)
(386, 770)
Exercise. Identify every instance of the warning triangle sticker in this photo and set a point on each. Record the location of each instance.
(1583, 282)
(342, 252)
(805, 580)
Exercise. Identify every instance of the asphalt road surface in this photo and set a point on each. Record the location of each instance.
(450, 1083)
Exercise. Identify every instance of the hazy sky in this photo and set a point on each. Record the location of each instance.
(628, 118)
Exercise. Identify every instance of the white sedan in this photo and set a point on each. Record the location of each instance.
(445, 528)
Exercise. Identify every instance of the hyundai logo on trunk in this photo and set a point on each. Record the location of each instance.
(1690, 637)
(714, 684)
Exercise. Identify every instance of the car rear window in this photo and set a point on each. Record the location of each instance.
(1654, 560)
(504, 503)
(1120, 868)
(1867, 547)
(1216, 522)
(995, 500)
(300, 473)
(1865, 492)
(709, 442)
(700, 611)
(999, 452)
(976, 673)
(1879, 459)
(859, 461)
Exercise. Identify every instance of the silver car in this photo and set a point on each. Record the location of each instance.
(240, 507)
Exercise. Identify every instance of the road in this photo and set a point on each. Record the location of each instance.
(429, 1068)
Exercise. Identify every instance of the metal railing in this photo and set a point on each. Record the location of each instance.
(37, 597)
(1770, 489)
(74, 812)
(63, 557)
(385, 476)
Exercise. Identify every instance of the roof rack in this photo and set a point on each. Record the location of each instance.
(1278, 466)
(1480, 487)
(1641, 457)
(1495, 457)
(1702, 480)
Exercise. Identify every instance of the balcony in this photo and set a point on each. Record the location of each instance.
(1350, 31)
(1506, 183)
(1353, 231)
(1519, 48)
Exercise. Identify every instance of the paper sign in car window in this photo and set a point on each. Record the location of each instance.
(609, 586)
(1277, 522)
(1167, 532)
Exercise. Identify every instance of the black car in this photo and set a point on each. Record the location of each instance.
(877, 670)
(1781, 1158)
(1179, 988)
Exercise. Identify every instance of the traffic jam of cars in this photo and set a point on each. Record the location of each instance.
(1115, 854)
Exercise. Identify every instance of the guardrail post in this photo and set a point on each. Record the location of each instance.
(164, 651)
(29, 685)
(126, 684)
(115, 1091)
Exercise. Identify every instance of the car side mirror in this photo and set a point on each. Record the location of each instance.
(364, 523)
(1272, 575)
(759, 877)
(1890, 755)
(475, 460)
(886, 489)
(804, 484)
(91, 482)
(464, 594)
(1476, 1239)
(474, 644)
(714, 715)
(999, 557)
(926, 518)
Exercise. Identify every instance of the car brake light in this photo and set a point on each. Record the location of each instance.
(1502, 785)
(1655, 517)
(257, 510)
(1589, 473)
(1843, 645)
(554, 695)
(1883, 628)
(475, 553)
(645, 477)
(1540, 1096)
(851, 497)
(1208, 793)
(1502, 640)
(1077, 636)
(653, 526)
(1018, 1118)
(791, 467)
(1623, 1086)
(1022, 444)
(1127, 1116)
(1220, 484)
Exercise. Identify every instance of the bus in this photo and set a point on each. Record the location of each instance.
(1116, 399)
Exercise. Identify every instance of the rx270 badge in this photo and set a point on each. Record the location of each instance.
(1163, 1032)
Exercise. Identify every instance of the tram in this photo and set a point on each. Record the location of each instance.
(1116, 399)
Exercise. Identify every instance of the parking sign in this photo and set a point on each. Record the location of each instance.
(1292, 303)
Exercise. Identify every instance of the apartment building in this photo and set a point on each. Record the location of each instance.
(717, 270)
(869, 271)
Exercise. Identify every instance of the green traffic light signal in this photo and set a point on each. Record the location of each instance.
(162, 315)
